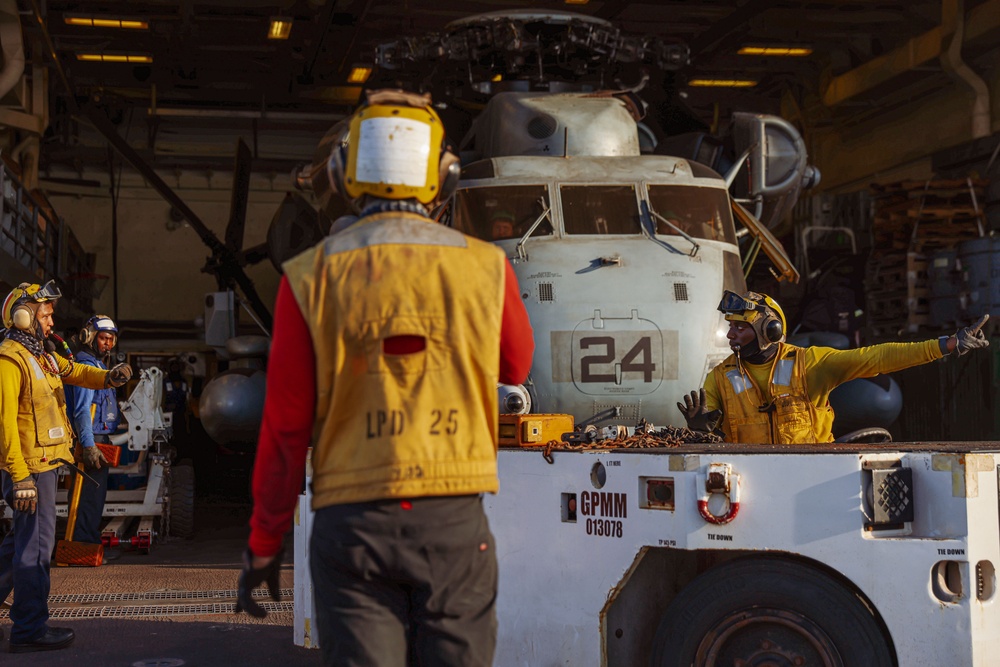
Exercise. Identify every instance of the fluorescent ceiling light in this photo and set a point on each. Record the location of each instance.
(281, 27)
(775, 51)
(95, 22)
(359, 75)
(722, 83)
(114, 57)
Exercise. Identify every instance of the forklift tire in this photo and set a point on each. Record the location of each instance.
(182, 501)
(769, 611)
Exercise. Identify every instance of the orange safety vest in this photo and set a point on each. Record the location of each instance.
(789, 418)
(410, 425)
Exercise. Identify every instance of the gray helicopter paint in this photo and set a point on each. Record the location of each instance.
(636, 331)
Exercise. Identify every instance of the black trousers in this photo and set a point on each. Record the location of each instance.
(396, 586)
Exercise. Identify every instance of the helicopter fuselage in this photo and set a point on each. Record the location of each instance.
(621, 262)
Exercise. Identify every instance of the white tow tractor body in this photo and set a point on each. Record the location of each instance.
(731, 554)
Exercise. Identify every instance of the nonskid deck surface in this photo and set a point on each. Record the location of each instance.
(169, 608)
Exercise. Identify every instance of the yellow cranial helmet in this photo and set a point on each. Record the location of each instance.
(394, 148)
(758, 310)
(22, 303)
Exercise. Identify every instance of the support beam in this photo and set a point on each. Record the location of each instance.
(920, 50)
(224, 263)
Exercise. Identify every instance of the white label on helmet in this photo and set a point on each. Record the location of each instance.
(393, 151)
(104, 323)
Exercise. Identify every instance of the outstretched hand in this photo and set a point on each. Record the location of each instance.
(694, 404)
(972, 338)
(695, 413)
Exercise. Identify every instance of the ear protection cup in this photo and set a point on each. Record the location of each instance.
(85, 337)
(336, 164)
(773, 331)
(23, 318)
(449, 174)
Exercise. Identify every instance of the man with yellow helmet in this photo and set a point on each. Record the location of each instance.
(770, 392)
(37, 438)
(389, 340)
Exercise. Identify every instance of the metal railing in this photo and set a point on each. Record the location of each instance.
(36, 244)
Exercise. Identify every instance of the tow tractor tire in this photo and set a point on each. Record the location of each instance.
(182, 501)
(872, 435)
(768, 611)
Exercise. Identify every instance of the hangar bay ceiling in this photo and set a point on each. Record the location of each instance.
(193, 77)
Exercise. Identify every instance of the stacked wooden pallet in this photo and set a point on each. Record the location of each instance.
(912, 220)
(923, 216)
(897, 294)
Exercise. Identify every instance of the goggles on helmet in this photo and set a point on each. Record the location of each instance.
(42, 293)
(741, 308)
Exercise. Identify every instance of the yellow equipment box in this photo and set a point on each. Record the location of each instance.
(533, 430)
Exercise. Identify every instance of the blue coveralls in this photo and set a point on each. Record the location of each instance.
(33, 539)
(105, 421)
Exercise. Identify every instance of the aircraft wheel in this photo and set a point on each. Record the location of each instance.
(768, 611)
(873, 435)
(182, 501)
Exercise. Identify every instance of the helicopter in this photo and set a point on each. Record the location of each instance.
(621, 254)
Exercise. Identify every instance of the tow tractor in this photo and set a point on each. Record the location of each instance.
(654, 550)
(165, 505)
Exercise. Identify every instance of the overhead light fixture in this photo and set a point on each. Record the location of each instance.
(115, 57)
(281, 27)
(576, 2)
(793, 51)
(722, 83)
(359, 74)
(95, 22)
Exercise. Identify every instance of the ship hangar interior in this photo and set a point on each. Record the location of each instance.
(156, 162)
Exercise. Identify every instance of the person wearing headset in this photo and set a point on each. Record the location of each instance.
(770, 392)
(389, 339)
(95, 416)
(37, 440)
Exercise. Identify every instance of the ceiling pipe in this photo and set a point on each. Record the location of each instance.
(953, 35)
(982, 21)
(12, 45)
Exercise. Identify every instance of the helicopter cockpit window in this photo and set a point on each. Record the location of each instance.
(600, 209)
(499, 213)
(702, 213)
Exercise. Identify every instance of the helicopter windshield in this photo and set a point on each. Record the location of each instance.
(600, 209)
(498, 213)
(702, 213)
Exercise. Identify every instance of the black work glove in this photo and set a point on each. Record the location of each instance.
(971, 338)
(697, 417)
(25, 495)
(251, 578)
(93, 457)
(118, 376)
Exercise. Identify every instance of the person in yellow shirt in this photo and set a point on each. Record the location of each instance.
(35, 440)
(770, 392)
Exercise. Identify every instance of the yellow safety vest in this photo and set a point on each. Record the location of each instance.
(399, 426)
(42, 424)
(789, 418)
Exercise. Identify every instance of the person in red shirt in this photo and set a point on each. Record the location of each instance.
(389, 339)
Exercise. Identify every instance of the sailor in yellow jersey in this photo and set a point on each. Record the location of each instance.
(37, 440)
(770, 392)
